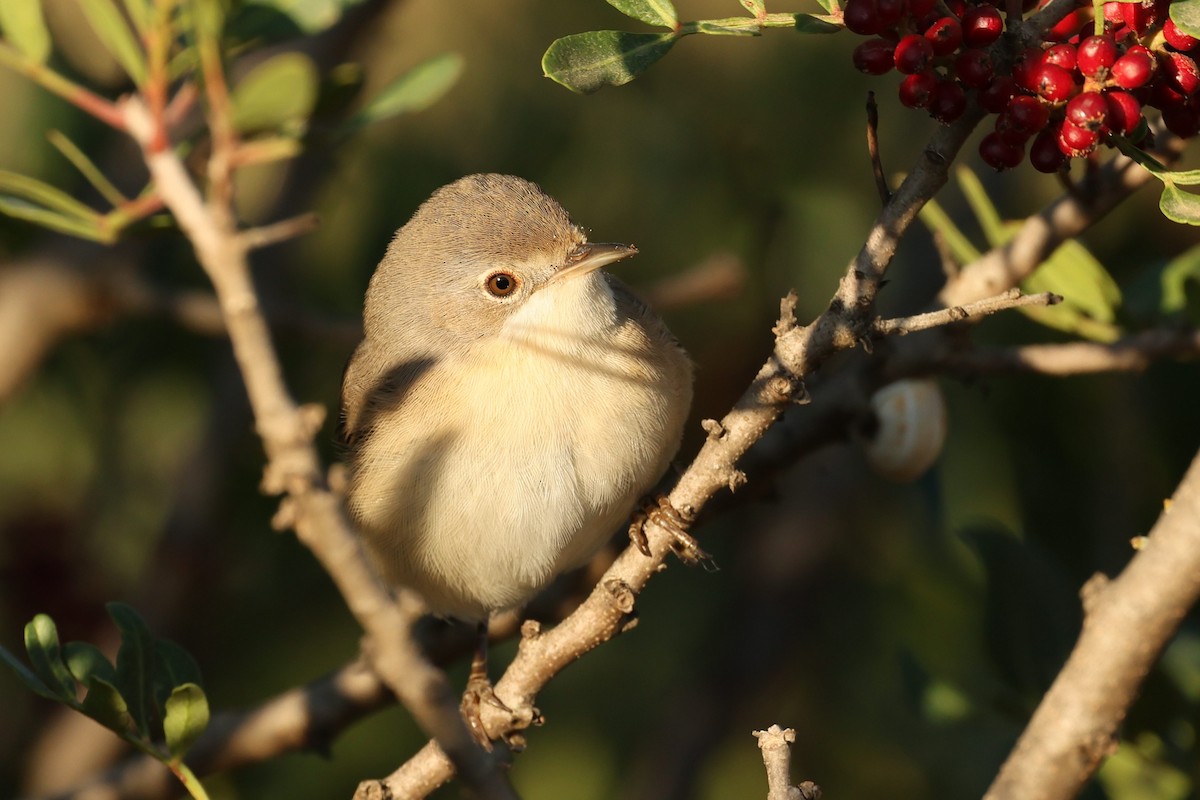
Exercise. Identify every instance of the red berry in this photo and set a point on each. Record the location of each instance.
(1052, 83)
(994, 97)
(1069, 25)
(916, 90)
(1096, 55)
(1023, 67)
(874, 56)
(1062, 55)
(1162, 95)
(919, 9)
(1000, 154)
(944, 35)
(1177, 38)
(1183, 121)
(862, 17)
(890, 11)
(913, 53)
(1026, 114)
(1076, 141)
(1087, 110)
(1124, 111)
(1139, 16)
(1113, 15)
(948, 102)
(981, 25)
(974, 68)
(1133, 69)
(1045, 154)
(1181, 72)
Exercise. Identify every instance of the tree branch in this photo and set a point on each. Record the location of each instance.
(776, 746)
(1127, 623)
(1013, 298)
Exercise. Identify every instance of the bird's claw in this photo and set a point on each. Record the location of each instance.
(662, 513)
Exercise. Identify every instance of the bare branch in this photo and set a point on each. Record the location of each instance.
(1013, 298)
(276, 232)
(1127, 623)
(1131, 354)
(776, 745)
(881, 184)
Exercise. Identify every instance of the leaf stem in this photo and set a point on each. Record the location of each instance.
(93, 104)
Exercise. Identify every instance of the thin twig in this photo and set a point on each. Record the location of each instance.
(1013, 298)
(1131, 354)
(276, 232)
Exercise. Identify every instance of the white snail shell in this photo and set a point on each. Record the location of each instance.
(911, 431)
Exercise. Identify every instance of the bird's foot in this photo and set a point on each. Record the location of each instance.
(479, 692)
(662, 513)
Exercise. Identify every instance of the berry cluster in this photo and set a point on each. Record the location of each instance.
(1057, 101)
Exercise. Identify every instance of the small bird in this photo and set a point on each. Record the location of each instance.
(510, 402)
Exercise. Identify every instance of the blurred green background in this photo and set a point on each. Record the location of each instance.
(905, 632)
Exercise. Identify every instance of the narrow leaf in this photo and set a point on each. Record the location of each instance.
(173, 666)
(105, 704)
(278, 92)
(135, 663)
(756, 7)
(1186, 16)
(811, 23)
(830, 6)
(1179, 206)
(43, 194)
(938, 221)
(186, 718)
(139, 11)
(22, 24)
(651, 12)
(85, 661)
(118, 39)
(20, 209)
(585, 62)
(415, 90)
(1090, 295)
(985, 211)
(45, 654)
(31, 681)
(88, 169)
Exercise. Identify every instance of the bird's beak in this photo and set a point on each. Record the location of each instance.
(589, 257)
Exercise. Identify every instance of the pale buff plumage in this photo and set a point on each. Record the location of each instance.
(496, 442)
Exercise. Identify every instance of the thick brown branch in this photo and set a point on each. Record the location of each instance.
(1127, 623)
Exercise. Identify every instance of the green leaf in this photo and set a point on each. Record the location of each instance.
(85, 661)
(1090, 295)
(135, 663)
(31, 681)
(89, 170)
(415, 90)
(1174, 279)
(1186, 16)
(939, 222)
(993, 226)
(1179, 206)
(173, 666)
(811, 23)
(45, 654)
(105, 704)
(20, 209)
(756, 7)
(139, 11)
(585, 62)
(22, 24)
(651, 12)
(186, 718)
(118, 39)
(830, 6)
(311, 16)
(278, 92)
(43, 194)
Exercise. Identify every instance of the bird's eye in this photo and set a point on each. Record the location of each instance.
(501, 284)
